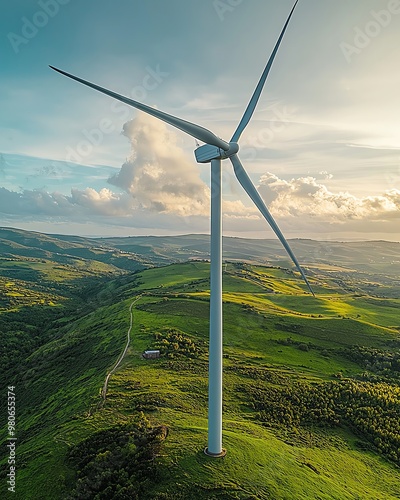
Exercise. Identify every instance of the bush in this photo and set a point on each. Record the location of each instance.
(172, 342)
(118, 463)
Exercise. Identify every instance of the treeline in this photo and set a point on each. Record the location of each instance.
(370, 410)
(22, 332)
(384, 363)
(119, 463)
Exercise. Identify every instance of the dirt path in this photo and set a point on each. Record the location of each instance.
(118, 362)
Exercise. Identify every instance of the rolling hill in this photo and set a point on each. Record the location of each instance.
(311, 401)
(374, 257)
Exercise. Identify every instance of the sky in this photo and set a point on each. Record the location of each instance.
(323, 146)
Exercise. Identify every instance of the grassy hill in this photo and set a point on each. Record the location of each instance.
(311, 391)
(72, 251)
(379, 258)
(368, 267)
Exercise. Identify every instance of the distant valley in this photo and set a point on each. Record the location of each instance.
(368, 267)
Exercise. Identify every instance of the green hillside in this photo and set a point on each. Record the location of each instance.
(311, 391)
(376, 261)
(71, 251)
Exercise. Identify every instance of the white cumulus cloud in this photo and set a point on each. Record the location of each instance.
(306, 196)
(157, 174)
(103, 202)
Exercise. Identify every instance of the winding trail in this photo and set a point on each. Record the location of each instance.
(118, 362)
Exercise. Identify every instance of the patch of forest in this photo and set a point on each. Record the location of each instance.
(370, 410)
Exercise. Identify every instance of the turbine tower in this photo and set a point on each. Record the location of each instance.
(213, 151)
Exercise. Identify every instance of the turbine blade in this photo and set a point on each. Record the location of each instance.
(200, 133)
(256, 95)
(251, 190)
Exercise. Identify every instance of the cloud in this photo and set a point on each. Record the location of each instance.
(156, 178)
(30, 202)
(158, 175)
(84, 203)
(103, 202)
(307, 197)
(159, 187)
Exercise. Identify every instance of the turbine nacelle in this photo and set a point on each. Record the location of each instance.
(208, 152)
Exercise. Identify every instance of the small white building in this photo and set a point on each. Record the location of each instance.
(151, 354)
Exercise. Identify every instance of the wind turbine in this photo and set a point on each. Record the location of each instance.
(213, 151)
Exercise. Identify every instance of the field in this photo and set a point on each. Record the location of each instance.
(291, 429)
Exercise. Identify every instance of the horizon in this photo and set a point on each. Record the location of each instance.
(182, 235)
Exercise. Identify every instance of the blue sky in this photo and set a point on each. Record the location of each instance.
(323, 145)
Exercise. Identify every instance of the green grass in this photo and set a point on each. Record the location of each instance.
(58, 387)
(277, 470)
(174, 275)
(258, 465)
